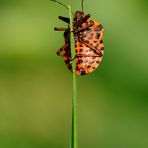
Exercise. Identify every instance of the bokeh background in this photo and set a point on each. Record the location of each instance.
(36, 86)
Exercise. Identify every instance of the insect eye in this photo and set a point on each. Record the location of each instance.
(91, 23)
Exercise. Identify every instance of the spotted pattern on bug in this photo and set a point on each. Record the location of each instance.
(89, 47)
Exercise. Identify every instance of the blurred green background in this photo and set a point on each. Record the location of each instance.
(36, 86)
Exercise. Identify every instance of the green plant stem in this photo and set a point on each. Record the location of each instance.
(74, 140)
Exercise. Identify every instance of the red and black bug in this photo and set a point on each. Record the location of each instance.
(89, 47)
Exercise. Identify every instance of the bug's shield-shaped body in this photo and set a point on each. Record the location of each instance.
(89, 47)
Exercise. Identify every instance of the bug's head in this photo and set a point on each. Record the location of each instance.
(79, 15)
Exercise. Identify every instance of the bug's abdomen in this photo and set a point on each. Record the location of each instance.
(87, 61)
(89, 51)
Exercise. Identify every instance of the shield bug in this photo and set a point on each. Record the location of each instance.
(89, 47)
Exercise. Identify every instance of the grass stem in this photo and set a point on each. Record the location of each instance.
(74, 136)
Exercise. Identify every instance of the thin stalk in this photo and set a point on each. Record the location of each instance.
(74, 136)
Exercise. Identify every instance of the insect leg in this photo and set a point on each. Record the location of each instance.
(98, 52)
(61, 51)
(86, 18)
(60, 29)
(84, 55)
(87, 55)
(65, 19)
(81, 21)
(81, 30)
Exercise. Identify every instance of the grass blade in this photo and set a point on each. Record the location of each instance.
(74, 140)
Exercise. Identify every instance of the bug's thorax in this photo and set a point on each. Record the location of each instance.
(77, 24)
(78, 17)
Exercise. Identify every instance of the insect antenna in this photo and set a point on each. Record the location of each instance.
(59, 3)
(82, 5)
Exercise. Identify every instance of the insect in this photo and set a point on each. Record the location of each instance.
(88, 36)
